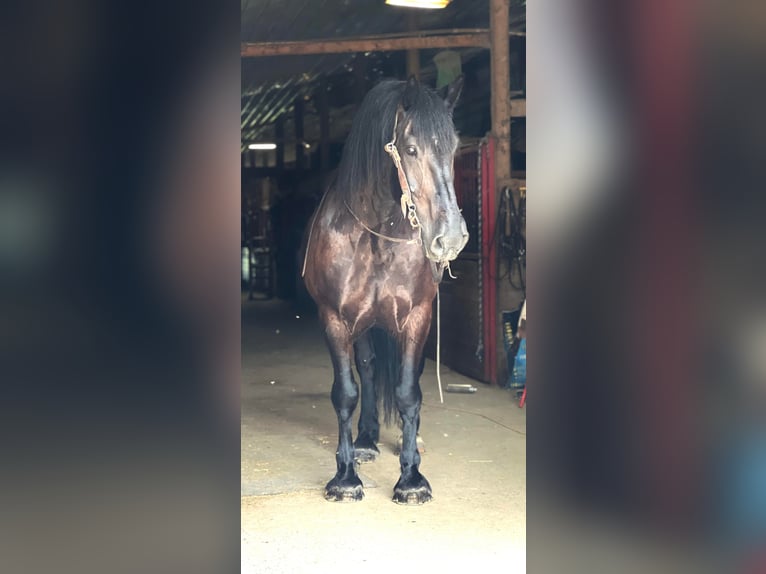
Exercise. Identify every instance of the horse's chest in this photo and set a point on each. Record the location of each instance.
(383, 301)
(395, 303)
(383, 287)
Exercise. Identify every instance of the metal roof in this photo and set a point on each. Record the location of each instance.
(271, 84)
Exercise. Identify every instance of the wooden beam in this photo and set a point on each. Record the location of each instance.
(475, 38)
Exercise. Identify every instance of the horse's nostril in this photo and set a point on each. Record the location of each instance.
(437, 245)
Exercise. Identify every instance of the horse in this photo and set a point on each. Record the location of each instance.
(375, 251)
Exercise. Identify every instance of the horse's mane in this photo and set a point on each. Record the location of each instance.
(365, 168)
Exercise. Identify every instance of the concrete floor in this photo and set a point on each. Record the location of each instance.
(475, 460)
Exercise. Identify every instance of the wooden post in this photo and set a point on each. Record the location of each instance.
(501, 134)
(500, 84)
(324, 127)
(279, 136)
(413, 55)
(298, 117)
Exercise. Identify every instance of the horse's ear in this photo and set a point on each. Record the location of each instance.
(451, 92)
(410, 93)
(400, 118)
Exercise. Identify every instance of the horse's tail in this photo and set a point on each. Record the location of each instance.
(388, 364)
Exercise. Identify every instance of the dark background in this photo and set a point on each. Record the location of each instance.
(119, 323)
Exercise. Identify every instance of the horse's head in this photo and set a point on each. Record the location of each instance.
(426, 141)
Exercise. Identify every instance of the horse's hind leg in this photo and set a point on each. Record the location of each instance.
(345, 394)
(365, 446)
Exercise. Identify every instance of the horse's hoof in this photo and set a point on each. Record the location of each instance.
(338, 491)
(413, 496)
(414, 490)
(366, 454)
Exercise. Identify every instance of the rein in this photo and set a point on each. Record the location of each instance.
(394, 239)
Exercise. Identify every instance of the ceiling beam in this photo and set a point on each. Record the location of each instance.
(473, 38)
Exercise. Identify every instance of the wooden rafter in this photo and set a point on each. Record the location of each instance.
(471, 38)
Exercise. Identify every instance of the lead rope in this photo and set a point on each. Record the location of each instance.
(311, 232)
(439, 334)
(439, 344)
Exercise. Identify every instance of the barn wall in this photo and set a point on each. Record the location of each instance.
(471, 303)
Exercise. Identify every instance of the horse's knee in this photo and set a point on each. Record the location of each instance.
(408, 399)
(344, 396)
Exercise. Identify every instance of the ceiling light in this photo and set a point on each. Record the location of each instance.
(419, 3)
(262, 146)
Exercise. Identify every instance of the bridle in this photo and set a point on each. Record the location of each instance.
(408, 206)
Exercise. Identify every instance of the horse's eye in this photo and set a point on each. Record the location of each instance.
(410, 149)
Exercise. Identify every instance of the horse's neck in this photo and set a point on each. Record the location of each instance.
(375, 208)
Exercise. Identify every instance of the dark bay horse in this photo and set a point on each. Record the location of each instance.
(376, 249)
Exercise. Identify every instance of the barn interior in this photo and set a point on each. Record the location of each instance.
(306, 66)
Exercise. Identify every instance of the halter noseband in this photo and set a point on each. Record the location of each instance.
(408, 206)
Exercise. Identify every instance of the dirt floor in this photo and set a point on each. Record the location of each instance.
(475, 460)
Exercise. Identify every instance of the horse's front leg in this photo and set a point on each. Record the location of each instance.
(412, 487)
(346, 485)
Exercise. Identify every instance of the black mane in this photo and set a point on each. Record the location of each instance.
(366, 170)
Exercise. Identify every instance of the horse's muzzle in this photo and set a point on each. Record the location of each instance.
(447, 246)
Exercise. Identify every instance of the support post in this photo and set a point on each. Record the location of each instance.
(500, 85)
(501, 134)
